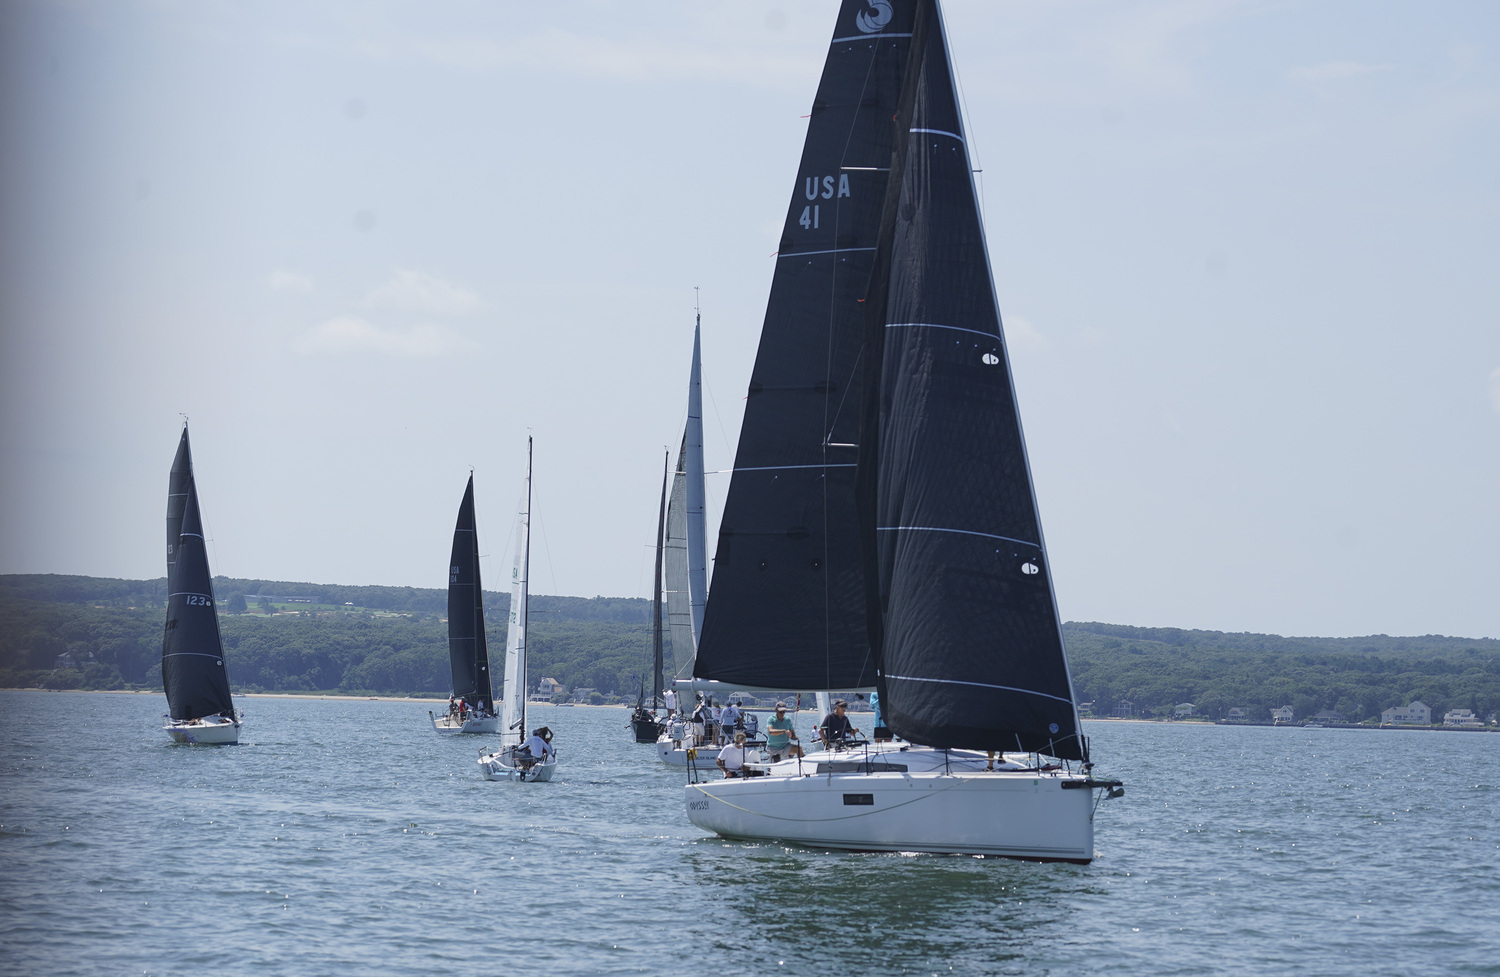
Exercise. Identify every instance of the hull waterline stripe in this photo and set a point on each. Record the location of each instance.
(934, 325)
(981, 685)
(943, 529)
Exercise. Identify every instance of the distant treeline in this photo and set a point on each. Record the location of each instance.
(1153, 669)
(88, 632)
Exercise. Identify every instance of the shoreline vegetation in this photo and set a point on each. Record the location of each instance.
(303, 639)
(1206, 723)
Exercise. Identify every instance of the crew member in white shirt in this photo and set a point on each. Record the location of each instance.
(732, 759)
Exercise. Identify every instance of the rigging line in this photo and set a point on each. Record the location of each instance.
(945, 529)
(966, 120)
(980, 685)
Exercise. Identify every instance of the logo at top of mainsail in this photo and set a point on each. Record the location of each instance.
(872, 20)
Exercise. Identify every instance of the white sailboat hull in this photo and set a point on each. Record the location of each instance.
(499, 766)
(214, 730)
(676, 754)
(949, 807)
(448, 726)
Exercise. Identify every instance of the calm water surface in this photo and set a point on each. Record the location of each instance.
(345, 837)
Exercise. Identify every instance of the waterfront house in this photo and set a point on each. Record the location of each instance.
(1415, 714)
(1183, 709)
(1461, 717)
(1283, 715)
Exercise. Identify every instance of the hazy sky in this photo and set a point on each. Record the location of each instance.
(1247, 252)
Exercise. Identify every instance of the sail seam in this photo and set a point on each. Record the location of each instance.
(944, 529)
(982, 685)
(938, 325)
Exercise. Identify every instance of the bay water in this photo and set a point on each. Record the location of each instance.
(346, 837)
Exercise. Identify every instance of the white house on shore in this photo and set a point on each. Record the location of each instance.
(1416, 714)
(1283, 715)
(1461, 717)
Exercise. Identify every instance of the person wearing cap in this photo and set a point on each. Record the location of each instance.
(780, 732)
(836, 726)
(731, 717)
(732, 759)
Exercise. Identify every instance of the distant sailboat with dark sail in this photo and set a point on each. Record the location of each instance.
(645, 724)
(193, 673)
(472, 705)
(881, 530)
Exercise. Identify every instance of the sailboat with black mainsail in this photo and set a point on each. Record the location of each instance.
(881, 530)
(200, 706)
(513, 761)
(645, 724)
(472, 704)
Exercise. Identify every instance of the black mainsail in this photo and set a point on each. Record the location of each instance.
(192, 654)
(468, 654)
(881, 528)
(971, 651)
(787, 606)
(177, 495)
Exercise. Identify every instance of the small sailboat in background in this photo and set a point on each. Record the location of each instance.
(472, 706)
(683, 591)
(193, 674)
(645, 725)
(514, 760)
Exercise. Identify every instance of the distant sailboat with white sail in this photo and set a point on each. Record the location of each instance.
(515, 760)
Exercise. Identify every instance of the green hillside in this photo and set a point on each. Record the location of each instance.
(90, 632)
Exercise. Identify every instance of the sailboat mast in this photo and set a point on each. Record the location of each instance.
(656, 595)
(697, 530)
(525, 590)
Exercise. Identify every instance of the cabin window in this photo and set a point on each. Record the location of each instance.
(851, 800)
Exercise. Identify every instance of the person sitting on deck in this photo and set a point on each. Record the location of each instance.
(780, 731)
(732, 759)
(536, 749)
(836, 728)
